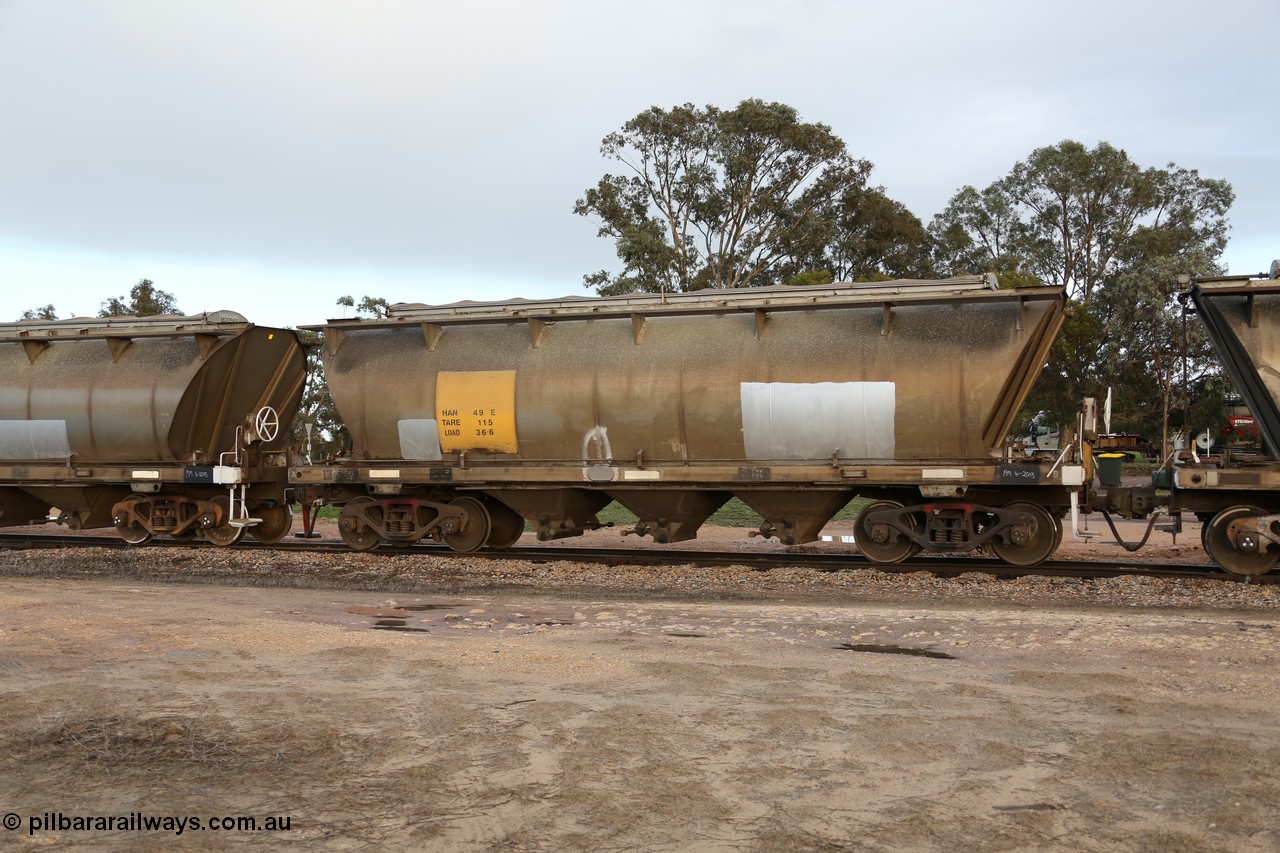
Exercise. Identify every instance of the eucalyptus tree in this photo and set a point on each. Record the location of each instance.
(1115, 235)
(1072, 216)
(740, 198)
(44, 312)
(145, 300)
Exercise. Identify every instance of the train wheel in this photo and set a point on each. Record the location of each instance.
(350, 521)
(881, 543)
(1220, 535)
(1039, 543)
(131, 532)
(474, 529)
(505, 526)
(134, 534)
(224, 535)
(275, 524)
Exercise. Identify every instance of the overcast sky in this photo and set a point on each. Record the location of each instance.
(271, 156)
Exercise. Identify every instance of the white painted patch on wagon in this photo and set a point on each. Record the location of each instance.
(812, 420)
(595, 445)
(23, 440)
(419, 440)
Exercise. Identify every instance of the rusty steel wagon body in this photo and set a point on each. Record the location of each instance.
(469, 420)
(169, 424)
(1239, 499)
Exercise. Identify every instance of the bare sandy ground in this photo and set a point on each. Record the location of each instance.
(551, 723)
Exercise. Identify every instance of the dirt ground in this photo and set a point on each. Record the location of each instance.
(550, 722)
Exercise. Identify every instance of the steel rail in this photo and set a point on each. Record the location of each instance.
(941, 565)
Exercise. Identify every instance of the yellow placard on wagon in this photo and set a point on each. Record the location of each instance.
(476, 410)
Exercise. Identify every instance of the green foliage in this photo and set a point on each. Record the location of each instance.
(811, 278)
(868, 236)
(329, 435)
(145, 300)
(1141, 349)
(1115, 235)
(1071, 373)
(741, 198)
(370, 306)
(318, 407)
(1009, 279)
(328, 512)
(1077, 217)
(46, 312)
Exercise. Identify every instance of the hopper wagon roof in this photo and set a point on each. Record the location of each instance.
(973, 288)
(131, 389)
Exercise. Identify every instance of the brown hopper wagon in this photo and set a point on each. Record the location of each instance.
(155, 425)
(1240, 500)
(469, 420)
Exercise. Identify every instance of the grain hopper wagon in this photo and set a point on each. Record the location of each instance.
(472, 419)
(170, 425)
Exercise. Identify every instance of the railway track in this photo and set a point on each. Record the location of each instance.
(946, 566)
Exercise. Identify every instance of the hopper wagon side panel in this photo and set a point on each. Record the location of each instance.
(159, 401)
(1243, 323)
(100, 410)
(941, 382)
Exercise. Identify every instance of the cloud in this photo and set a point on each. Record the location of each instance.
(447, 141)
